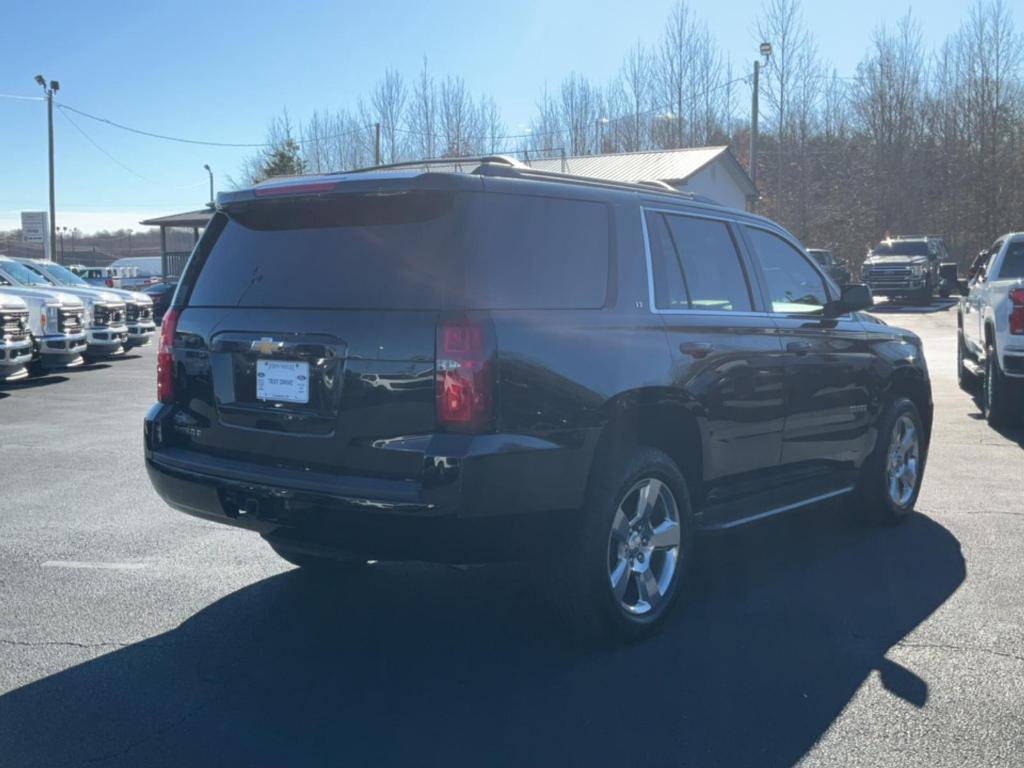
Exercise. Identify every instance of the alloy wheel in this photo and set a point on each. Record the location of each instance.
(903, 464)
(644, 547)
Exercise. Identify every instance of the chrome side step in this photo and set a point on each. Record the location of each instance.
(736, 522)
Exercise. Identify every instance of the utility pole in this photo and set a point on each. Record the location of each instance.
(601, 121)
(53, 87)
(753, 122)
(766, 52)
(376, 144)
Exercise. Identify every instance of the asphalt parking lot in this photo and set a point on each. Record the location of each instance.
(132, 635)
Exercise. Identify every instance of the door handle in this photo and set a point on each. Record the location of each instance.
(799, 347)
(696, 349)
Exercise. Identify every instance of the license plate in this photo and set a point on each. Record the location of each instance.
(282, 381)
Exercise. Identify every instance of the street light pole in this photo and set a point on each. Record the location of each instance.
(211, 183)
(53, 87)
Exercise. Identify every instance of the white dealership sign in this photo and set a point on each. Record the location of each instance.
(35, 228)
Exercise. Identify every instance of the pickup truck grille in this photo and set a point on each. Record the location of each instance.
(69, 320)
(883, 276)
(13, 324)
(110, 314)
(137, 313)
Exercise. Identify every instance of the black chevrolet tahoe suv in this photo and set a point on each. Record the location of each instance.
(493, 363)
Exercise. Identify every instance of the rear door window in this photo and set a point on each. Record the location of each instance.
(695, 264)
(409, 250)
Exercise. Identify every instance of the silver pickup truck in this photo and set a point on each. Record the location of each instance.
(15, 338)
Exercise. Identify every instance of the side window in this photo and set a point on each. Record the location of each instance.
(669, 290)
(710, 263)
(794, 286)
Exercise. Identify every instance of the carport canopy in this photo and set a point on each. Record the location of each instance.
(172, 263)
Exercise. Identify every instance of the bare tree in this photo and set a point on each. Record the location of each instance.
(387, 102)
(423, 114)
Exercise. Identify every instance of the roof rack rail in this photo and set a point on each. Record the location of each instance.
(443, 161)
(505, 166)
(915, 237)
(663, 186)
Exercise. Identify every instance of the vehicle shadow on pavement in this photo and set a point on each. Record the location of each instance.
(427, 665)
(1013, 434)
(6, 389)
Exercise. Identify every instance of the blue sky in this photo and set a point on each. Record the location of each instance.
(219, 71)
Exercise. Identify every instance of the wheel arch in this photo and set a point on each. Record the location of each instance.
(913, 385)
(655, 417)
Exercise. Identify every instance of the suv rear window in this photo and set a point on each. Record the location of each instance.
(410, 250)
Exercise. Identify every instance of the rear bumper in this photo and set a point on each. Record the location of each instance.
(480, 499)
(1013, 360)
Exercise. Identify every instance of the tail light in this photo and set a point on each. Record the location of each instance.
(165, 358)
(1017, 311)
(466, 381)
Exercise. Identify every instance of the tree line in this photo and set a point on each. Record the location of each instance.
(913, 140)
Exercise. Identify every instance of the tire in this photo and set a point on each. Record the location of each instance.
(968, 381)
(315, 563)
(924, 296)
(889, 495)
(943, 293)
(621, 583)
(997, 395)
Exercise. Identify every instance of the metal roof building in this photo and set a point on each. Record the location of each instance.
(710, 171)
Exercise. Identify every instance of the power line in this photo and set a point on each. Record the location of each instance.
(202, 142)
(122, 165)
(65, 107)
(20, 98)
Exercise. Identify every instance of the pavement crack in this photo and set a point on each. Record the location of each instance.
(961, 649)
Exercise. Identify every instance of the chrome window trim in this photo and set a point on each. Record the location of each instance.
(654, 308)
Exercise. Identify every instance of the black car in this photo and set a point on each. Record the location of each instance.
(161, 294)
(503, 363)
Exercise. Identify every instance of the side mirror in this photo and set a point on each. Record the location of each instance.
(964, 286)
(853, 298)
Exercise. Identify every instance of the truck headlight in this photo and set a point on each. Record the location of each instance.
(918, 270)
(49, 317)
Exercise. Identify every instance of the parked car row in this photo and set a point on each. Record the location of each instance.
(990, 330)
(51, 319)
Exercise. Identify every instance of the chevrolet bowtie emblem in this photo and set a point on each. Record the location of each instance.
(266, 346)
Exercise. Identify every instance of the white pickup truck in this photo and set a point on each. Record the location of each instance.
(990, 331)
